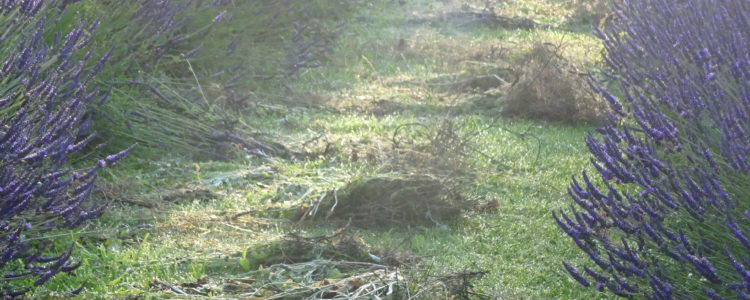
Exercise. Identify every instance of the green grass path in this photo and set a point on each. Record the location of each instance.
(403, 56)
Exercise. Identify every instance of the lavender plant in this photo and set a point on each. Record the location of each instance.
(669, 217)
(144, 32)
(155, 39)
(45, 87)
(55, 68)
(197, 67)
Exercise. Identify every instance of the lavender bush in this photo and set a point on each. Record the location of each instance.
(45, 87)
(669, 218)
(152, 44)
(52, 74)
(201, 66)
(63, 77)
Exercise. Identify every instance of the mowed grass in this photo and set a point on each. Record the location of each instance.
(149, 235)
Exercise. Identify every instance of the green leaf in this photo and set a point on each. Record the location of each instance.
(245, 263)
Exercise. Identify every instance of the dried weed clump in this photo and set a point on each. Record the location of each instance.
(384, 201)
(336, 266)
(440, 148)
(549, 88)
(587, 11)
(342, 245)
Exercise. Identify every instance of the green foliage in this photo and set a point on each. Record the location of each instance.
(216, 72)
(146, 238)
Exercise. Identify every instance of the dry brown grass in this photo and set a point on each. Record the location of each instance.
(550, 88)
(435, 148)
(388, 201)
(589, 10)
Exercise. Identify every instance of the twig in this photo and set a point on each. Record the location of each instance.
(312, 140)
(244, 213)
(200, 87)
(176, 290)
(138, 203)
(398, 128)
(335, 203)
(238, 228)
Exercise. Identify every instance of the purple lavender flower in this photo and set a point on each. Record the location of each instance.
(219, 17)
(676, 156)
(46, 102)
(576, 274)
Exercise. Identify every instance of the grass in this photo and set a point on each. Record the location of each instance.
(144, 237)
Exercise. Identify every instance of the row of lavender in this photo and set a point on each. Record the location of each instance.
(201, 79)
(72, 68)
(669, 218)
(50, 87)
(45, 89)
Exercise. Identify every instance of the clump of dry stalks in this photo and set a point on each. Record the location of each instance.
(384, 201)
(441, 149)
(589, 11)
(550, 88)
(441, 155)
(335, 266)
